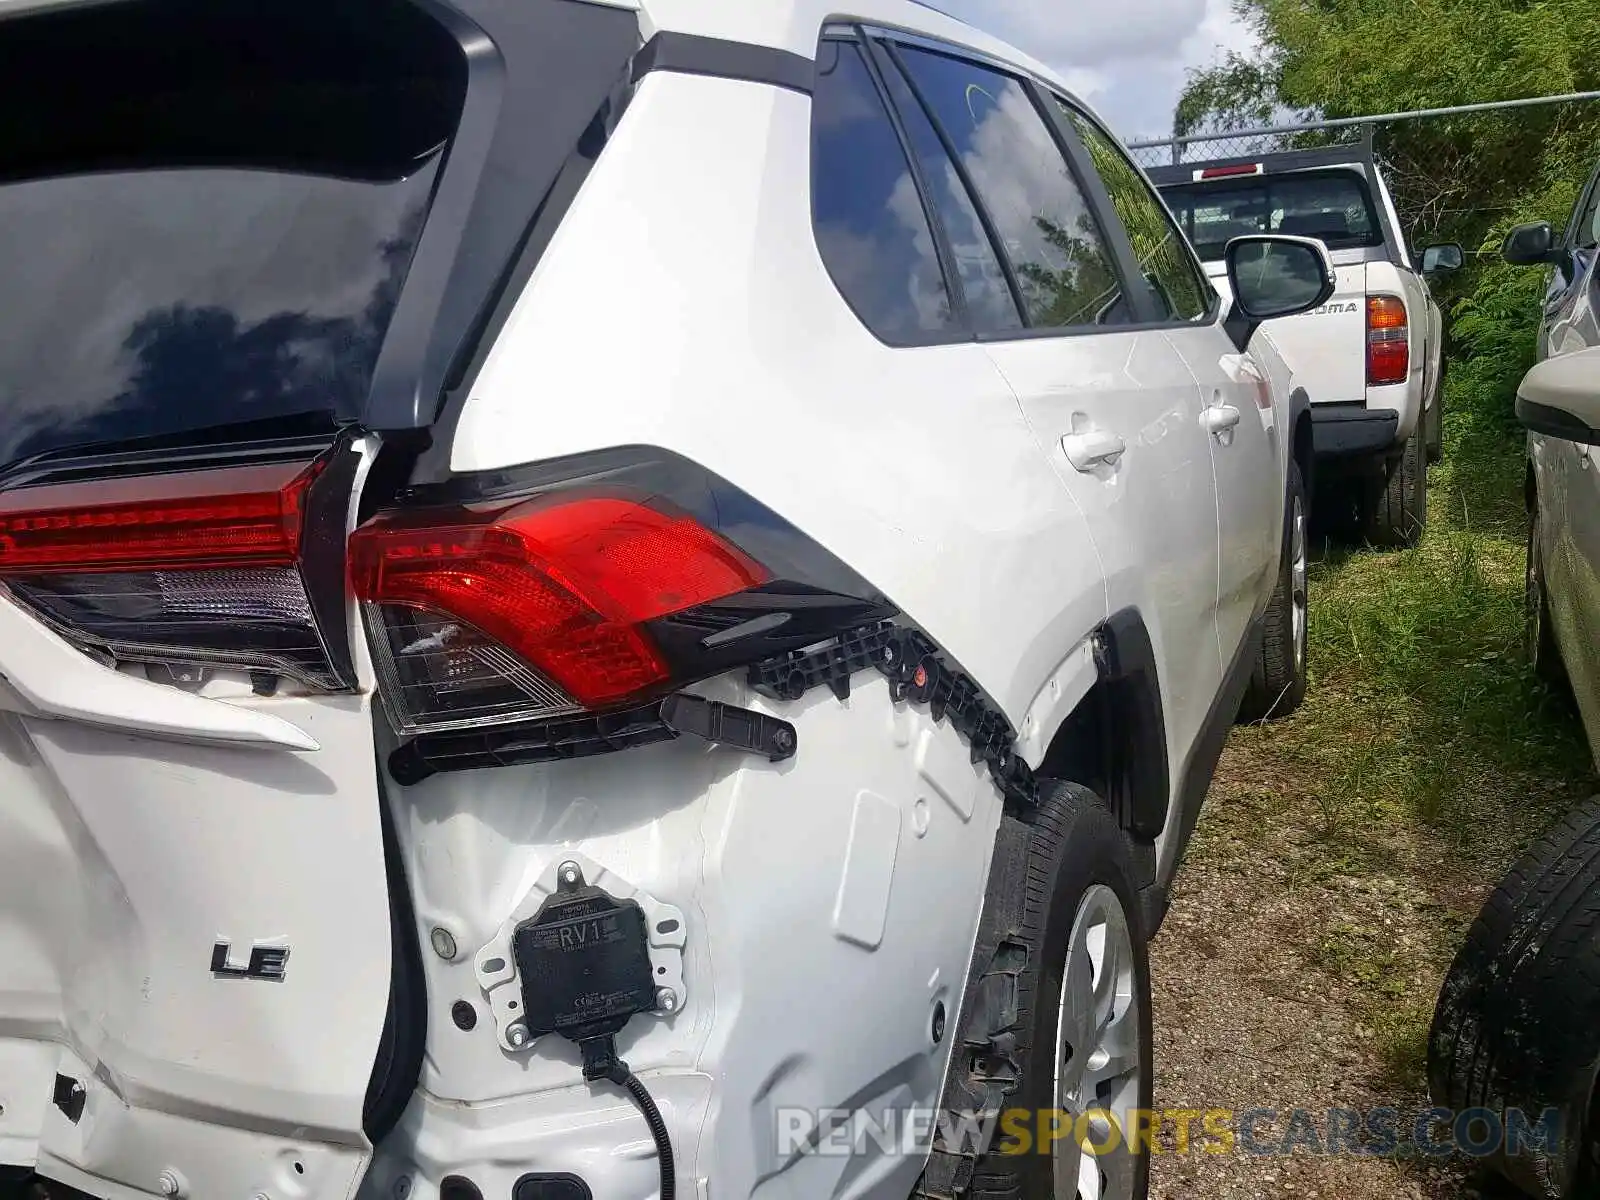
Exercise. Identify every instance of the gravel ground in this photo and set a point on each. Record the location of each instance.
(1266, 974)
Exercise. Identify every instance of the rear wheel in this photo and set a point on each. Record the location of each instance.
(1397, 499)
(1517, 1027)
(1056, 1021)
(1278, 682)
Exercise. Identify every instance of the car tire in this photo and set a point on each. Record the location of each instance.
(1062, 883)
(1397, 503)
(1537, 635)
(1517, 1026)
(1435, 425)
(1278, 681)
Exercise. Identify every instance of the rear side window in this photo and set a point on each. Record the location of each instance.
(207, 210)
(990, 304)
(1047, 230)
(1164, 260)
(1331, 205)
(871, 227)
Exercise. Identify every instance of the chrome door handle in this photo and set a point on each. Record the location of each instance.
(1097, 447)
(1219, 418)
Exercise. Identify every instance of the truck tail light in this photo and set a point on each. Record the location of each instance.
(1388, 350)
(1228, 172)
(523, 609)
(198, 568)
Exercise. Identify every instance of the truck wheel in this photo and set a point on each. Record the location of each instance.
(1517, 1027)
(1397, 502)
(1055, 1030)
(1278, 682)
(1538, 637)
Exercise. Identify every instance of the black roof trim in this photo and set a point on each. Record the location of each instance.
(537, 71)
(690, 54)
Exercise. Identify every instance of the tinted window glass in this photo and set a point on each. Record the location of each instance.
(206, 212)
(1049, 234)
(871, 227)
(990, 305)
(1330, 205)
(1164, 260)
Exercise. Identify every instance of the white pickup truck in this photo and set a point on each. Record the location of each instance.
(1370, 359)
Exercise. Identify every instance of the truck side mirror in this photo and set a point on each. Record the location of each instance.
(1442, 258)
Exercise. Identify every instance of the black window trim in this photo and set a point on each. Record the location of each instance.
(1213, 308)
(1122, 258)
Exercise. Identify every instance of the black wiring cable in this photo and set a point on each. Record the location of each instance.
(600, 1061)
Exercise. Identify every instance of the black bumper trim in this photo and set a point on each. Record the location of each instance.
(1349, 431)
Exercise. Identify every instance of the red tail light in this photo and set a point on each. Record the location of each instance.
(1388, 349)
(531, 608)
(195, 568)
(1228, 172)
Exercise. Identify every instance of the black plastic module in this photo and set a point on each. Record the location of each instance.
(584, 961)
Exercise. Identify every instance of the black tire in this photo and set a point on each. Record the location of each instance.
(1537, 636)
(1397, 500)
(1517, 1024)
(1278, 681)
(1045, 864)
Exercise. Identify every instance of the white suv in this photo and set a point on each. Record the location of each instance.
(563, 556)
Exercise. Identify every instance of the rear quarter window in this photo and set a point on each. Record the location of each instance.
(207, 211)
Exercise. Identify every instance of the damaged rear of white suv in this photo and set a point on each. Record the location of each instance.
(594, 595)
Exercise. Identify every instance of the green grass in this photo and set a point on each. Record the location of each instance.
(1426, 756)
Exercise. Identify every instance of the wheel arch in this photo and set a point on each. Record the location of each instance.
(1114, 740)
(1301, 441)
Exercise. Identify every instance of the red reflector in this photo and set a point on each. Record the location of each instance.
(228, 517)
(1388, 350)
(564, 585)
(1228, 172)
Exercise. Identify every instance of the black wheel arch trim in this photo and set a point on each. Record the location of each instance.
(1136, 737)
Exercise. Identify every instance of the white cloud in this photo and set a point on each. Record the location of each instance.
(1128, 59)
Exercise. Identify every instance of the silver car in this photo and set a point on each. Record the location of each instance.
(1515, 1043)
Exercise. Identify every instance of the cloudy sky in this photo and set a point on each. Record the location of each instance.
(1125, 57)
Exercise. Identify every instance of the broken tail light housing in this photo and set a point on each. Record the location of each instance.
(532, 608)
(570, 593)
(1388, 346)
(194, 568)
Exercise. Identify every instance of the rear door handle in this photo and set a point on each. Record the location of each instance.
(1220, 418)
(1094, 448)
